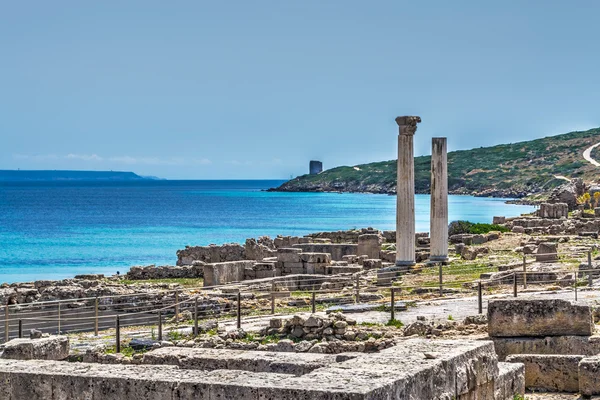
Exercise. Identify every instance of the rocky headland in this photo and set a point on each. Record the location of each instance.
(507, 171)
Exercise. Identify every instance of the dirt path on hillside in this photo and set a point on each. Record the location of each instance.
(587, 155)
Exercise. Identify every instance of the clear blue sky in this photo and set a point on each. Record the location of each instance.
(255, 89)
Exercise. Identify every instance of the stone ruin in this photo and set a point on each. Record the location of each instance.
(555, 339)
(420, 369)
(323, 253)
(553, 211)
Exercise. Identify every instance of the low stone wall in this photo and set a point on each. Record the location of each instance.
(571, 226)
(226, 272)
(166, 272)
(523, 317)
(337, 251)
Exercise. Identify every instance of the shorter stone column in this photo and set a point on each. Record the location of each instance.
(439, 201)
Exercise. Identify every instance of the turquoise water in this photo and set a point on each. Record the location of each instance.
(57, 230)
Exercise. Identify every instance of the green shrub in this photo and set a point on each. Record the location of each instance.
(460, 227)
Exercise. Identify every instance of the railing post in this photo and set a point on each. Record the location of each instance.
(392, 304)
(441, 281)
(196, 316)
(160, 335)
(58, 319)
(479, 298)
(20, 328)
(575, 287)
(524, 272)
(6, 325)
(96, 316)
(118, 350)
(272, 297)
(357, 298)
(314, 306)
(515, 283)
(589, 259)
(239, 310)
(176, 305)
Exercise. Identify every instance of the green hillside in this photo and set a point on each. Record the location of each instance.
(508, 170)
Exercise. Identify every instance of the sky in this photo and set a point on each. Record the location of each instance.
(244, 89)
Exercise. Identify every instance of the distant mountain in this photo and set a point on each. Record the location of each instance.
(44, 175)
(507, 170)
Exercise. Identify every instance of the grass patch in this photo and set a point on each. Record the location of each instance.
(125, 350)
(394, 322)
(370, 324)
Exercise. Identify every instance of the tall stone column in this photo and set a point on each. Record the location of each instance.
(438, 231)
(405, 198)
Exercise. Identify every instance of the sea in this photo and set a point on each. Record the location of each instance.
(55, 230)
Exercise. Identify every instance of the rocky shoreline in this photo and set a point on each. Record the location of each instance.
(294, 186)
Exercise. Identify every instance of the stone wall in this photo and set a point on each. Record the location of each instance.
(211, 254)
(166, 272)
(337, 251)
(226, 272)
(553, 211)
(295, 261)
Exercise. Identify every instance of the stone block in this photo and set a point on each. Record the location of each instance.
(336, 250)
(538, 318)
(288, 255)
(510, 382)
(226, 272)
(566, 345)
(372, 264)
(369, 245)
(479, 239)
(317, 258)
(518, 229)
(589, 376)
(547, 252)
(552, 373)
(498, 220)
(49, 348)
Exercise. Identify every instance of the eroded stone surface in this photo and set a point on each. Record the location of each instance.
(420, 369)
(589, 376)
(254, 361)
(554, 373)
(574, 345)
(528, 317)
(49, 348)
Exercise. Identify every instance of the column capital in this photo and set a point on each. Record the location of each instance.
(408, 124)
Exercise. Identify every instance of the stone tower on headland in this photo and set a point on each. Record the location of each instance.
(315, 167)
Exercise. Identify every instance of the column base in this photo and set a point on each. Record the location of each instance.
(438, 259)
(400, 263)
